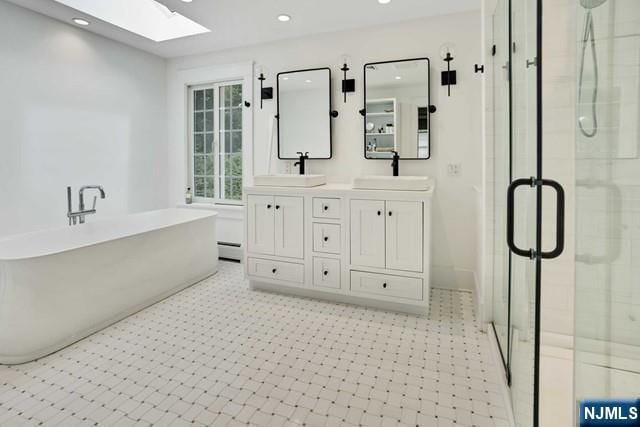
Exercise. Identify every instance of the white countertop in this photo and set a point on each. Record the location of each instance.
(341, 189)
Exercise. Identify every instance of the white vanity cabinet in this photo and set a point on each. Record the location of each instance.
(367, 247)
(404, 237)
(387, 234)
(275, 225)
(367, 224)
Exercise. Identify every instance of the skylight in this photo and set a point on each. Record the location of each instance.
(147, 18)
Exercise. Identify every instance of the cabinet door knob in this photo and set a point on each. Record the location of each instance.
(379, 213)
(274, 270)
(277, 206)
(268, 206)
(390, 213)
(326, 273)
(326, 239)
(384, 285)
(325, 207)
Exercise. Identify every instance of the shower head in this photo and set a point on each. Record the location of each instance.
(592, 4)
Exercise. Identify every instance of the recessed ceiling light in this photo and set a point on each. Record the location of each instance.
(285, 78)
(187, 1)
(80, 21)
(398, 78)
(146, 18)
(284, 17)
(307, 81)
(384, 1)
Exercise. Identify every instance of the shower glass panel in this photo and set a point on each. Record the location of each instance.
(524, 162)
(516, 157)
(607, 302)
(501, 174)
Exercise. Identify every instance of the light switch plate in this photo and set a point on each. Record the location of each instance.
(454, 169)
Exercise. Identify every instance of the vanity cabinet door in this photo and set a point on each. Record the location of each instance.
(404, 236)
(289, 226)
(368, 233)
(260, 227)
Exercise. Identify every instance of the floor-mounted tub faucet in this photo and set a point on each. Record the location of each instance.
(303, 157)
(79, 216)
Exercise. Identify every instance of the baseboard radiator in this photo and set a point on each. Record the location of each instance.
(230, 251)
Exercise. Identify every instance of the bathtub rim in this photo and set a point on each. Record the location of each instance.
(198, 215)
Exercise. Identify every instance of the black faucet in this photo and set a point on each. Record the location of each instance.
(395, 163)
(303, 157)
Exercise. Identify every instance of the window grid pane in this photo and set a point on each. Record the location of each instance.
(203, 131)
(230, 141)
(226, 182)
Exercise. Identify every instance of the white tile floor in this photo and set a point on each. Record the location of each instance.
(221, 354)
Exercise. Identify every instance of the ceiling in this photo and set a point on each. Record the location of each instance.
(235, 23)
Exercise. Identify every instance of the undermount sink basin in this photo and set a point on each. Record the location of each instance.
(398, 183)
(286, 180)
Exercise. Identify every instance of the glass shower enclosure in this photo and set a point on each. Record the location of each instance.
(518, 183)
(607, 297)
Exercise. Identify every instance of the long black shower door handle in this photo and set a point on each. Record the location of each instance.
(511, 191)
(560, 204)
(560, 217)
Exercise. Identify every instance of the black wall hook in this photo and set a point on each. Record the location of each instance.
(479, 68)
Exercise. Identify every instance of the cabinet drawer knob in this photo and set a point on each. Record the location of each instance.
(326, 273)
(384, 285)
(379, 213)
(390, 213)
(277, 206)
(274, 270)
(268, 206)
(326, 238)
(325, 207)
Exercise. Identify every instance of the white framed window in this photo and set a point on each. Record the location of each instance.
(216, 142)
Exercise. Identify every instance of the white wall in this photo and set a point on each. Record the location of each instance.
(76, 108)
(456, 126)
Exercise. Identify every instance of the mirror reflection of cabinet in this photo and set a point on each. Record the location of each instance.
(304, 113)
(396, 115)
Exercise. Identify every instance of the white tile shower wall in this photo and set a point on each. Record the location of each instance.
(608, 196)
(456, 126)
(76, 109)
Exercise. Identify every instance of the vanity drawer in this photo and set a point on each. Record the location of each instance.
(383, 285)
(326, 208)
(276, 270)
(326, 272)
(326, 238)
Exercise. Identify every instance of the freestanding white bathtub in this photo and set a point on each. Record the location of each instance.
(59, 286)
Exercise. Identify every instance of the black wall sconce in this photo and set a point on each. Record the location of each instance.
(348, 85)
(265, 92)
(449, 77)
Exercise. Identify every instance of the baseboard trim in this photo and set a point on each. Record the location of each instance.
(449, 277)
